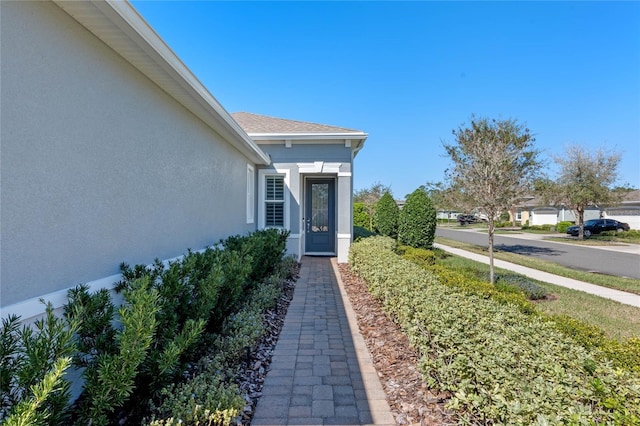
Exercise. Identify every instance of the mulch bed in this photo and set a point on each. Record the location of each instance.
(411, 402)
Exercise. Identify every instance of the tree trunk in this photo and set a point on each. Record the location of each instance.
(581, 224)
(491, 229)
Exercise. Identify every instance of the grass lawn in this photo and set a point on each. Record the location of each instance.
(590, 241)
(618, 321)
(619, 283)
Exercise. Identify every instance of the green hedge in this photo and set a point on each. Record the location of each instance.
(500, 364)
(417, 220)
(632, 234)
(360, 232)
(361, 216)
(516, 289)
(172, 315)
(386, 216)
(561, 227)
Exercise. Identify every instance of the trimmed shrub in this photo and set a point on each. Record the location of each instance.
(129, 354)
(361, 216)
(625, 354)
(502, 224)
(386, 216)
(500, 365)
(561, 227)
(466, 282)
(206, 399)
(419, 256)
(632, 234)
(360, 232)
(265, 247)
(417, 221)
(546, 227)
(530, 289)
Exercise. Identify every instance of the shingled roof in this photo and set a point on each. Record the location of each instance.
(255, 123)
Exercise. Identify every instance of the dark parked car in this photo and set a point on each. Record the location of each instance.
(596, 226)
(465, 219)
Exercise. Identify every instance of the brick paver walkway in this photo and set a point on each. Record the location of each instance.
(321, 372)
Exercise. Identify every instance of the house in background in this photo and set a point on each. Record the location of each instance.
(534, 211)
(112, 151)
(627, 211)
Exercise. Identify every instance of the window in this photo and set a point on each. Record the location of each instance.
(273, 198)
(274, 201)
(519, 215)
(251, 193)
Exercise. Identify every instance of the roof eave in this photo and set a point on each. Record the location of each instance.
(308, 136)
(120, 26)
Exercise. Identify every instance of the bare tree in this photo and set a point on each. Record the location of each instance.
(586, 178)
(369, 197)
(439, 194)
(494, 163)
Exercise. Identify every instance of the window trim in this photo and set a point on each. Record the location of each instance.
(262, 178)
(251, 193)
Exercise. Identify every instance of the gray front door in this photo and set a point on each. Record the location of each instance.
(320, 216)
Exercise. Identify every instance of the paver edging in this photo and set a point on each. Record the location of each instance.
(379, 407)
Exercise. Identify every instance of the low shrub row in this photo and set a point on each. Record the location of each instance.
(463, 280)
(500, 362)
(208, 396)
(632, 234)
(547, 227)
(517, 282)
(360, 232)
(561, 227)
(172, 316)
(518, 290)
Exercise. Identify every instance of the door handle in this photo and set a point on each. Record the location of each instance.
(308, 224)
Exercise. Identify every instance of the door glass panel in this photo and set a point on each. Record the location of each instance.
(320, 207)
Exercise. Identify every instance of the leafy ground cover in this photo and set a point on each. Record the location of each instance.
(617, 320)
(501, 363)
(395, 361)
(619, 283)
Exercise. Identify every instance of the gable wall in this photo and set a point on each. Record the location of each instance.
(301, 153)
(99, 165)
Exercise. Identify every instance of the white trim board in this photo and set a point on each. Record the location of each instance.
(32, 308)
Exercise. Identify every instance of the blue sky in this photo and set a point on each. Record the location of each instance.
(408, 73)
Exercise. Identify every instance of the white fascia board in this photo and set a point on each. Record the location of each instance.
(119, 25)
(307, 136)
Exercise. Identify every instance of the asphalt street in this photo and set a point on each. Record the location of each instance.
(612, 260)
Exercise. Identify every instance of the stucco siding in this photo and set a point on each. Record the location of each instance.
(98, 164)
(300, 153)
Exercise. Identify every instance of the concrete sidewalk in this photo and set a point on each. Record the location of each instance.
(609, 293)
(321, 372)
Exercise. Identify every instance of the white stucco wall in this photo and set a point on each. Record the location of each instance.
(98, 164)
(623, 215)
